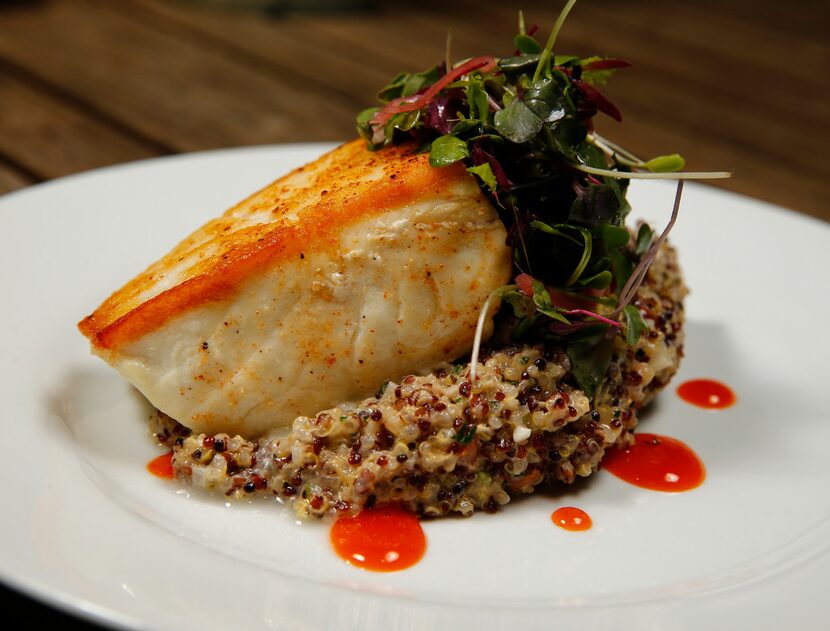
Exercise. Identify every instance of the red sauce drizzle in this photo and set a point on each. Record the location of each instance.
(162, 466)
(658, 463)
(382, 539)
(706, 393)
(571, 518)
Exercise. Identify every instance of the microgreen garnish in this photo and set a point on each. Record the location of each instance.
(523, 125)
(466, 433)
(634, 324)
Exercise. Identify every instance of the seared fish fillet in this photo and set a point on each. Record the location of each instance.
(357, 268)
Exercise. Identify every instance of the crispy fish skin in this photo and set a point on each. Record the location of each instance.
(357, 268)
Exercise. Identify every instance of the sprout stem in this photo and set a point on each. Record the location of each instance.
(679, 175)
(482, 318)
(635, 280)
(544, 58)
(612, 149)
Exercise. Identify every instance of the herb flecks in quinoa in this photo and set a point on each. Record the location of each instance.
(440, 443)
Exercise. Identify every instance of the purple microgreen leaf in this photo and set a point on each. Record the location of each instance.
(598, 99)
(597, 70)
(480, 155)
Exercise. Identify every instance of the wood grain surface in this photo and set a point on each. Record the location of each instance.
(740, 85)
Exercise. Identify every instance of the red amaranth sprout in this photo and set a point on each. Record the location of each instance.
(486, 63)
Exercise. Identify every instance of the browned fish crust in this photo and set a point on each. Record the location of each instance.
(212, 262)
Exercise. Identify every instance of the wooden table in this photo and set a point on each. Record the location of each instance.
(740, 85)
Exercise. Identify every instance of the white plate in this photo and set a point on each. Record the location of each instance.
(85, 527)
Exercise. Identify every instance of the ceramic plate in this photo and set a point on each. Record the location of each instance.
(86, 528)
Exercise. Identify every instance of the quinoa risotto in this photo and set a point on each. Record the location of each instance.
(439, 443)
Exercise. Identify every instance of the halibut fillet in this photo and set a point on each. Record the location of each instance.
(357, 268)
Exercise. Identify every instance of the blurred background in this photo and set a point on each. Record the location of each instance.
(739, 85)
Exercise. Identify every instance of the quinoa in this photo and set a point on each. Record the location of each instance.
(439, 443)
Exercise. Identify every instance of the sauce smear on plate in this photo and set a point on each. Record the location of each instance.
(658, 463)
(706, 393)
(382, 539)
(162, 466)
(571, 518)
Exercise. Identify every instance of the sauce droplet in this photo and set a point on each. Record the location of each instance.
(571, 518)
(162, 466)
(706, 393)
(658, 463)
(382, 539)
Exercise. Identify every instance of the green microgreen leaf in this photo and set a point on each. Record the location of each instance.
(644, 237)
(522, 304)
(465, 125)
(564, 60)
(485, 173)
(590, 353)
(403, 122)
(477, 99)
(613, 236)
(634, 324)
(541, 298)
(524, 325)
(595, 204)
(366, 115)
(394, 88)
(466, 433)
(600, 280)
(521, 64)
(587, 247)
(447, 150)
(543, 227)
(621, 267)
(591, 155)
(407, 120)
(407, 84)
(363, 120)
(665, 164)
(526, 45)
(517, 122)
(619, 190)
(569, 134)
(546, 99)
(600, 262)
